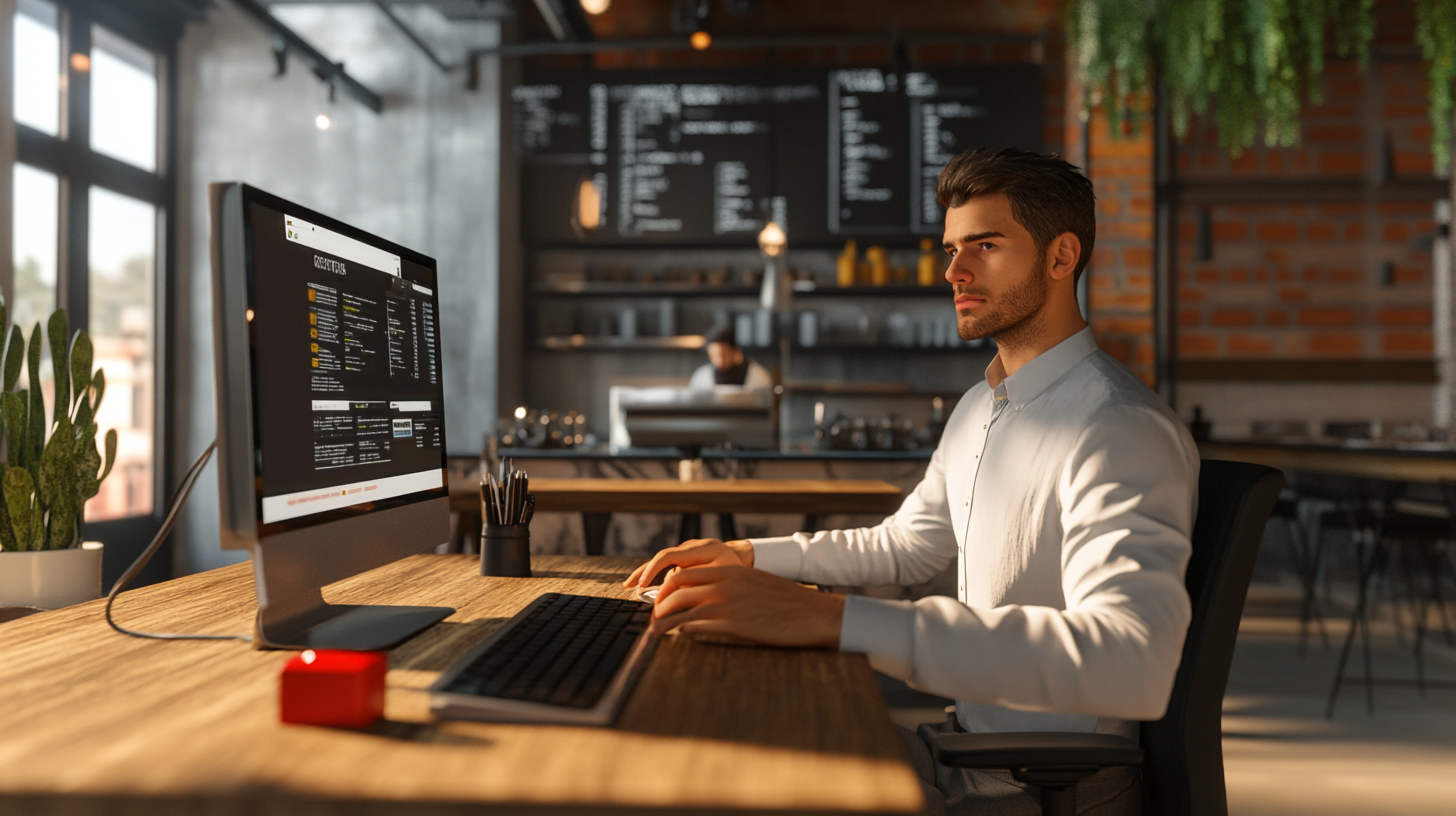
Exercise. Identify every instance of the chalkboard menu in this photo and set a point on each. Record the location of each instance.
(705, 157)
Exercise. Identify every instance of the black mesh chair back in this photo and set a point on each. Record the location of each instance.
(1183, 764)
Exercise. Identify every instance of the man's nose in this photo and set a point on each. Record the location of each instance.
(956, 272)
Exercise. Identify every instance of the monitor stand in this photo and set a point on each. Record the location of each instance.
(291, 569)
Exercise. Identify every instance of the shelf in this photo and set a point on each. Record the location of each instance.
(698, 290)
(695, 342)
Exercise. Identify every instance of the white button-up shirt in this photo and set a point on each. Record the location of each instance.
(1067, 492)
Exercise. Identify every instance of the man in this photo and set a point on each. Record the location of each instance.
(1062, 484)
(727, 364)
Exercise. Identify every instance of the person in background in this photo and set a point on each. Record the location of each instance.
(727, 364)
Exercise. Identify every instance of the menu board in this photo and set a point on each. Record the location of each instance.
(706, 157)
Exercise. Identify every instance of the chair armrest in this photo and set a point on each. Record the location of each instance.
(1036, 749)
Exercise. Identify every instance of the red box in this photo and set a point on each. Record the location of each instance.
(333, 687)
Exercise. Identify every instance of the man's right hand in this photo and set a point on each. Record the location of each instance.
(700, 552)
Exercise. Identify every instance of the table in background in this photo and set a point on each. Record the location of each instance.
(597, 499)
(1396, 464)
(98, 723)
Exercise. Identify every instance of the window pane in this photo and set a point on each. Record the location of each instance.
(37, 240)
(123, 274)
(123, 99)
(38, 66)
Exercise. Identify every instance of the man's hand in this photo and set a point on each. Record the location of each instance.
(748, 604)
(700, 552)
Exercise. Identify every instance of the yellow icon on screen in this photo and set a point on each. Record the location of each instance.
(310, 294)
(315, 362)
(313, 334)
(313, 347)
(312, 317)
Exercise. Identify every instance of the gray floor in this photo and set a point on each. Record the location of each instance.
(1282, 756)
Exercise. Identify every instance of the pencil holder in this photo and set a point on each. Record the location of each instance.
(505, 550)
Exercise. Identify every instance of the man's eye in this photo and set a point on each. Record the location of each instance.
(987, 245)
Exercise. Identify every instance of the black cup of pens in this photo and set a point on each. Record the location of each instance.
(505, 535)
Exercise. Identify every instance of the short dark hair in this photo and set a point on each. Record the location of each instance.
(1048, 196)
(721, 333)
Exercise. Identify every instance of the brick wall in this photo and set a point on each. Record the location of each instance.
(1322, 277)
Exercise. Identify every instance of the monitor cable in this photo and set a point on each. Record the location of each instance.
(178, 499)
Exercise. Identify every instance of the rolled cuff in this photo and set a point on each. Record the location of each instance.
(781, 556)
(882, 630)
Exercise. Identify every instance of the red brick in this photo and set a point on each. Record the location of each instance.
(1187, 231)
(1133, 280)
(1104, 257)
(1232, 317)
(1277, 231)
(1138, 256)
(1342, 209)
(1310, 275)
(1342, 163)
(1230, 231)
(1345, 276)
(1344, 344)
(1109, 207)
(1413, 162)
(1189, 317)
(1407, 274)
(1120, 300)
(1188, 295)
(1139, 230)
(1334, 134)
(1276, 256)
(1293, 295)
(1404, 317)
(1393, 110)
(1354, 232)
(1407, 342)
(1239, 344)
(1246, 164)
(1327, 317)
(1261, 275)
(1395, 232)
(1276, 317)
(1320, 232)
(1140, 206)
(1196, 344)
(1283, 275)
(1405, 208)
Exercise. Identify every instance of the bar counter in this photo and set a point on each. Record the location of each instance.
(1428, 462)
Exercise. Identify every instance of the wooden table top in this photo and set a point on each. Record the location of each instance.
(1368, 463)
(812, 496)
(97, 723)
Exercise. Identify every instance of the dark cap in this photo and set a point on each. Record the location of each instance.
(721, 334)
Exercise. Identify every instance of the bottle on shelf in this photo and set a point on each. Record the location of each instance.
(879, 265)
(927, 269)
(846, 266)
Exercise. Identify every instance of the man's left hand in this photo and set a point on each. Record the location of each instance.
(748, 604)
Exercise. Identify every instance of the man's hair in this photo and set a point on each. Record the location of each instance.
(722, 334)
(1048, 195)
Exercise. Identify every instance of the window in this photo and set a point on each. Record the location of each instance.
(92, 199)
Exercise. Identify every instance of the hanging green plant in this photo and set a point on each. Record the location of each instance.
(1257, 59)
(1436, 33)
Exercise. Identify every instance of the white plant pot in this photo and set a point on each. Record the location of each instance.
(51, 579)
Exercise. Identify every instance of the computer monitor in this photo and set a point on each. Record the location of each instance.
(691, 418)
(330, 414)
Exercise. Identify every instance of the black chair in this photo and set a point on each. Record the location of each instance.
(1181, 754)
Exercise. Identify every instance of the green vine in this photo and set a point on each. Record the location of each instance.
(1258, 59)
(1436, 32)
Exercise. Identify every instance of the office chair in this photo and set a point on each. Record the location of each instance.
(1181, 754)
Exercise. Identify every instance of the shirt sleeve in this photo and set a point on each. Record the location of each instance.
(1126, 501)
(702, 377)
(909, 547)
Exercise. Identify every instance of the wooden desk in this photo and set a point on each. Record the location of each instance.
(812, 497)
(93, 722)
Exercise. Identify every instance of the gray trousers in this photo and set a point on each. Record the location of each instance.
(965, 792)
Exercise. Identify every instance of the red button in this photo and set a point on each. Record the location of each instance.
(333, 687)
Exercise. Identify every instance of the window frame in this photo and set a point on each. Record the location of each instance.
(78, 167)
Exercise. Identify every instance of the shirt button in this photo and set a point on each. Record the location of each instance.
(984, 427)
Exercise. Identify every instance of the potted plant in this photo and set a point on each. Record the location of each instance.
(50, 468)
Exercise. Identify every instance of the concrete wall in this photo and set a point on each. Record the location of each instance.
(425, 174)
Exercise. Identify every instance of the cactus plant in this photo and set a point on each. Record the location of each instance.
(50, 467)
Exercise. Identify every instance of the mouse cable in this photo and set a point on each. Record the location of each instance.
(184, 489)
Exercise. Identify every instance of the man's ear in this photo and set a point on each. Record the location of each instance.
(1062, 255)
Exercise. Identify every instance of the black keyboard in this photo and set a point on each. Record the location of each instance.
(562, 650)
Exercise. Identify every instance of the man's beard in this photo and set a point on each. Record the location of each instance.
(1006, 319)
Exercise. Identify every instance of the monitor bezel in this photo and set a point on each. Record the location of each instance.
(250, 196)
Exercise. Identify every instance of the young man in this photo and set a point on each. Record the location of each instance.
(1063, 486)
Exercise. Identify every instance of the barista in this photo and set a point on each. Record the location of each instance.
(727, 365)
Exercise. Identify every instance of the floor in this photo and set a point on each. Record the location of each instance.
(1281, 754)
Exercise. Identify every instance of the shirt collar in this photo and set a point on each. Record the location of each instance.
(1036, 376)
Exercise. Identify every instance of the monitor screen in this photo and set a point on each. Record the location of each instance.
(348, 407)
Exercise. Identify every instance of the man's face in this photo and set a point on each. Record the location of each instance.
(724, 356)
(995, 268)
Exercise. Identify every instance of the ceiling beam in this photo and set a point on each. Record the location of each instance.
(322, 67)
(536, 49)
(566, 20)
